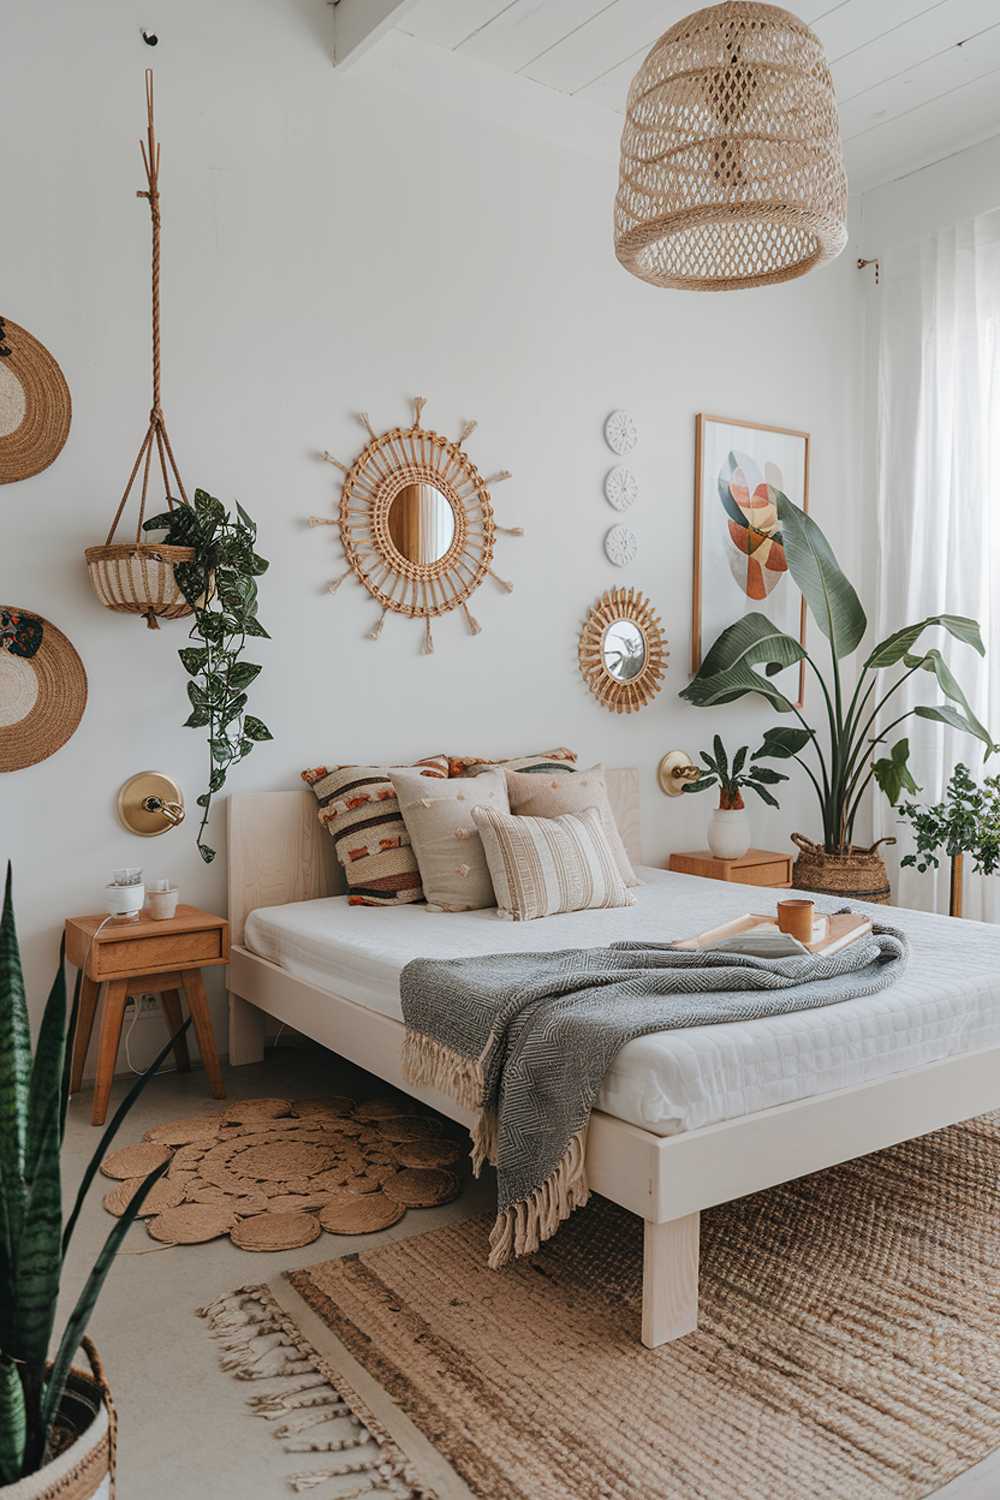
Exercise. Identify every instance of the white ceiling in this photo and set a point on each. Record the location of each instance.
(916, 80)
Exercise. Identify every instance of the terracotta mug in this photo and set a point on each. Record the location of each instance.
(796, 918)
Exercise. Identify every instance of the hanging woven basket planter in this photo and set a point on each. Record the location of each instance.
(138, 578)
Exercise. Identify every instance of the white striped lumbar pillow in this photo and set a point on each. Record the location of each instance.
(541, 866)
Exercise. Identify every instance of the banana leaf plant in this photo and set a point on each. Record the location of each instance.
(843, 762)
(34, 1093)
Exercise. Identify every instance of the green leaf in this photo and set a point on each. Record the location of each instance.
(740, 760)
(829, 594)
(247, 520)
(193, 658)
(193, 581)
(782, 742)
(74, 1016)
(111, 1130)
(934, 662)
(47, 1069)
(702, 785)
(766, 775)
(198, 719)
(892, 650)
(206, 852)
(255, 730)
(258, 564)
(721, 758)
(241, 676)
(204, 799)
(197, 695)
(233, 709)
(751, 641)
(221, 749)
(728, 686)
(13, 1422)
(945, 714)
(253, 627)
(892, 772)
(15, 1082)
(208, 507)
(763, 794)
(38, 1256)
(80, 1316)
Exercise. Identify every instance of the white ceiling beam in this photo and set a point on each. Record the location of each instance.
(359, 23)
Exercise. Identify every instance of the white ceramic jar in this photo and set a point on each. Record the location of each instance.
(729, 833)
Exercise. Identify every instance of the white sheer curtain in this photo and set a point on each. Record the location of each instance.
(938, 448)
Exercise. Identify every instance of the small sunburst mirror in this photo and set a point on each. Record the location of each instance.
(623, 653)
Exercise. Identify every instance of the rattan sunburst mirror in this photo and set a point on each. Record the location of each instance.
(623, 652)
(416, 523)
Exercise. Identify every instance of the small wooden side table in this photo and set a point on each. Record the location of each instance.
(133, 958)
(756, 867)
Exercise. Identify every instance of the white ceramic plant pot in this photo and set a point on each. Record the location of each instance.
(729, 833)
(125, 902)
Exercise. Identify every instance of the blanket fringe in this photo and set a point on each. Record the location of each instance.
(428, 1063)
(522, 1227)
(259, 1342)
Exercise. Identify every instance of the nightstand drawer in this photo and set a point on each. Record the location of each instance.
(777, 872)
(150, 955)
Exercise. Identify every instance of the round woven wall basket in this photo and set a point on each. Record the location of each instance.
(138, 578)
(860, 873)
(35, 406)
(43, 688)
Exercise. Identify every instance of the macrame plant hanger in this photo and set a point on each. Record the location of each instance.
(138, 577)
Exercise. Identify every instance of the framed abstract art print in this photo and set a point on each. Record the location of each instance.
(739, 560)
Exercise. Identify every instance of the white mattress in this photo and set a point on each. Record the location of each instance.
(948, 1001)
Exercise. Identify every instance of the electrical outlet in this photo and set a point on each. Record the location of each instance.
(148, 1005)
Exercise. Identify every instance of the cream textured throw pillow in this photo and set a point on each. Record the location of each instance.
(541, 866)
(448, 849)
(537, 795)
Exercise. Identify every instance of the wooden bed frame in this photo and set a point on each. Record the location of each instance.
(278, 853)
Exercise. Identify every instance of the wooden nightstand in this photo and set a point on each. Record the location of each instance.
(756, 867)
(134, 958)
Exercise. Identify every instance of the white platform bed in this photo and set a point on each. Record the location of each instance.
(685, 1119)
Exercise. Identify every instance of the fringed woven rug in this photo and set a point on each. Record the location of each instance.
(849, 1347)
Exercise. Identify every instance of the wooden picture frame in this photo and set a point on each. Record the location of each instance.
(708, 445)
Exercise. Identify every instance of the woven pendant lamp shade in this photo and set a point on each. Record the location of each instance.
(731, 171)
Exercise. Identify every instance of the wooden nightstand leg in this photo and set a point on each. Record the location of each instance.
(174, 1016)
(115, 995)
(84, 1031)
(198, 1006)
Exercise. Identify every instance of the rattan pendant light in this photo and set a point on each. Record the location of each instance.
(137, 578)
(731, 171)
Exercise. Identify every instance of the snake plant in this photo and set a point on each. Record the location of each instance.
(843, 768)
(34, 1093)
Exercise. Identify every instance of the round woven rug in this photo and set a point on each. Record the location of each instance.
(274, 1173)
(35, 407)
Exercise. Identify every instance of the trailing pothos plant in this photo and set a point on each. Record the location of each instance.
(746, 656)
(34, 1094)
(220, 588)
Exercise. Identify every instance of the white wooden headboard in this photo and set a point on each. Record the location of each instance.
(280, 852)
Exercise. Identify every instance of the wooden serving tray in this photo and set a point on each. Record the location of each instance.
(842, 928)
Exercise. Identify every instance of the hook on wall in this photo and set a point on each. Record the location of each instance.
(149, 37)
(873, 261)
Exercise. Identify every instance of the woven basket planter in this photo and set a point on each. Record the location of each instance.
(138, 579)
(85, 1468)
(860, 873)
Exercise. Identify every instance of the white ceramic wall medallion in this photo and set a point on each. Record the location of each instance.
(620, 432)
(621, 488)
(621, 545)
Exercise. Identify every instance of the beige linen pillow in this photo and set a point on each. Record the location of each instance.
(541, 866)
(448, 849)
(536, 795)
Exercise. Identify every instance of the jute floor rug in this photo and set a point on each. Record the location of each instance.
(272, 1174)
(849, 1347)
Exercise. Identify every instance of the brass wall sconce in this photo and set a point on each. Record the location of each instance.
(674, 771)
(150, 803)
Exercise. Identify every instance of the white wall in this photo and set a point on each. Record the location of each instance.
(331, 242)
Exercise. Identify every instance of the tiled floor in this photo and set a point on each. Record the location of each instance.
(185, 1431)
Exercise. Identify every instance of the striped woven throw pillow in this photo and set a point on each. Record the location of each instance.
(546, 760)
(359, 809)
(542, 866)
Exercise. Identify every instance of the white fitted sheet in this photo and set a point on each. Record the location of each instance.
(948, 1001)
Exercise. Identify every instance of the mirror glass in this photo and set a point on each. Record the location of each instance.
(421, 523)
(623, 650)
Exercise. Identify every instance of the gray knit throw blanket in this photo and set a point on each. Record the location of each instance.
(526, 1039)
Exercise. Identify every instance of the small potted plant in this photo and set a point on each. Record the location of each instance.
(729, 828)
(56, 1433)
(967, 821)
